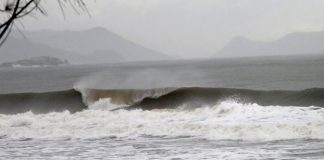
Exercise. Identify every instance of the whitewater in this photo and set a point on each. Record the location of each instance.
(256, 109)
(228, 120)
(229, 130)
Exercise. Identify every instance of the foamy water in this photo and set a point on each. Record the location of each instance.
(228, 130)
(228, 120)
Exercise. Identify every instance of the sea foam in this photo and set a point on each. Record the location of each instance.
(226, 120)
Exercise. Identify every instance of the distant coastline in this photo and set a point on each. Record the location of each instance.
(41, 61)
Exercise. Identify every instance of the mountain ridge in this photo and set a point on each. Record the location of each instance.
(94, 45)
(291, 44)
(96, 39)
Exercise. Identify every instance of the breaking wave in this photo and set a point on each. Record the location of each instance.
(228, 120)
(75, 100)
(212, 113)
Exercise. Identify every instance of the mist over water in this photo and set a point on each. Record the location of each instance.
(139, 79)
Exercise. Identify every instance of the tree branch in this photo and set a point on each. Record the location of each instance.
(17, 9)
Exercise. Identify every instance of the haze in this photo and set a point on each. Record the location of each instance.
(189, 28)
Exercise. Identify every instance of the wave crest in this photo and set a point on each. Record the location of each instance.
(160, 98)
(193, 97)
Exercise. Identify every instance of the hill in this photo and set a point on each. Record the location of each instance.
(94, 40)
(291, 44)
(96, 45)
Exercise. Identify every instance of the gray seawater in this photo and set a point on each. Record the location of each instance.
(268, 73)
(230, 130)
(160, 148)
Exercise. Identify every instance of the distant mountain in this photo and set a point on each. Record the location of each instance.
(95, 41)
(104, 56)
(292, 44)
(16, 49)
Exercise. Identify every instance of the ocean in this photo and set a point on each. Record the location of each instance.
(244, 108)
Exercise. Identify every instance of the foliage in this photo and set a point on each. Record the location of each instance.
(14, 10)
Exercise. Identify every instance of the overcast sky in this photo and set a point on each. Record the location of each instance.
(189, 28)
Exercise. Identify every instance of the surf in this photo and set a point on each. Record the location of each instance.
(76, 100)
(228, 120)
(193, 97)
